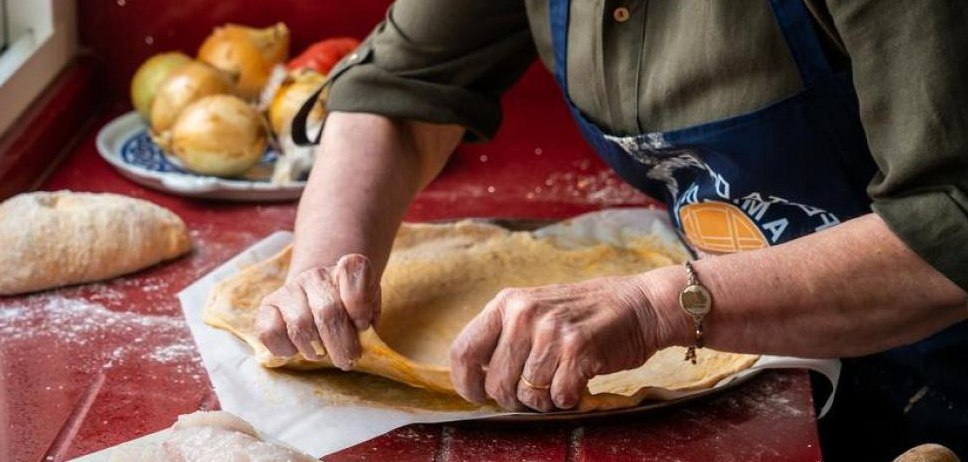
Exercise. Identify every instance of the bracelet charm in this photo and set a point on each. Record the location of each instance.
(697, 302)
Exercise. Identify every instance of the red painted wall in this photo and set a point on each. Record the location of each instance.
(123, 33)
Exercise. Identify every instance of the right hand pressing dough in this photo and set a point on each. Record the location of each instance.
(52, 239)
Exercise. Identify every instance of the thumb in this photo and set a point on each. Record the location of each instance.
(358, 289)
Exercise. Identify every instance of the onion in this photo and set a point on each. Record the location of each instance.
(184, 85)
(246, 55)
(219, 135)
(293, 92)
(150, 75)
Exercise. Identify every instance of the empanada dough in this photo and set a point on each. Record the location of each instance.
(52, 239)
(440, 276)
(214, 436)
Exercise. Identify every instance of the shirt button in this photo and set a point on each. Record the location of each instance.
(621, 14)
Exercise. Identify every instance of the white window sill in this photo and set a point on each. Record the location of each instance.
(35, 58)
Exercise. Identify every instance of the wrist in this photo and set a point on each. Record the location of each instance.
(670, 325)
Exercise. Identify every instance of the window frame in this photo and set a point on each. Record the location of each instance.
(42, 38)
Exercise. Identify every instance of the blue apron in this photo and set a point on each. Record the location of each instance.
(794, 167)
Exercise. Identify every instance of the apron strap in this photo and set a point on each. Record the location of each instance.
(298, 128)
(558, 12)
(795, 21)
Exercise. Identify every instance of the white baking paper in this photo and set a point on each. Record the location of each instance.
(293, 412)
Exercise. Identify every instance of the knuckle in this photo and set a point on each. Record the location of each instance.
(332, 315)
(354, 299)
(590, 367)
(573, 344)
(275, 297)
(548, 325)
(265, 318)
(270, 334)
(304, 319)
(460, 355)
(507, 293)
(520, 308)
(311, 277)
(353, 262)
(498, 390)
(295, 332)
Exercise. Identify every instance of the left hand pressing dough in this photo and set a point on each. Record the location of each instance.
(52, 239)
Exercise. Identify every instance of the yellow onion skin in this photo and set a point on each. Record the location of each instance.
(287, 101)
(183, 86)
(246, 54)
(219, 135)
(149, 76)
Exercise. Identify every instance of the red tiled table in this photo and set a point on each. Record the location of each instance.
(87, 367)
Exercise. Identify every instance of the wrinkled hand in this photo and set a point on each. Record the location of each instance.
(558, 337)
(320, 310)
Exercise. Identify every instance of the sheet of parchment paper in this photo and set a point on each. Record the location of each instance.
(320, 412)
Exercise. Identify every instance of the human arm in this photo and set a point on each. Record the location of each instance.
(845, 291)
(426, 75)
(911, 95)
(367, 171)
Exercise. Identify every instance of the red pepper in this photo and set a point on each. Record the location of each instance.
(323, 55)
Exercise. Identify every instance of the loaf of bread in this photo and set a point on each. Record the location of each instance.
(52, 239)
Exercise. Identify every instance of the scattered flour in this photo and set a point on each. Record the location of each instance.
(601, 188)
(85, 326)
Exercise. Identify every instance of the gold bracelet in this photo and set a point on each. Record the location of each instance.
(697, 302)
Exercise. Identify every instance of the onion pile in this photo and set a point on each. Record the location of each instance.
(203, 111)
(246, 55)
(184, 86)
(150, 75)
(289, 98)
(219, 135)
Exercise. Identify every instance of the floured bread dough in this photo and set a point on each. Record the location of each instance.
(440, 276)
(51, 239)
(215, 436)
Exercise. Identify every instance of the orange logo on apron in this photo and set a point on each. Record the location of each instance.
(720, 227)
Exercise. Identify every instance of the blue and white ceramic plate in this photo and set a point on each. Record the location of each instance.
(125, 144)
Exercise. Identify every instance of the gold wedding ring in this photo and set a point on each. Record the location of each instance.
(531, 384)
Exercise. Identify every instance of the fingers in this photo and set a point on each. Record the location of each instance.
(471, 352)
(330, 320)
(539, 369)
(574, 371)
(272, 331)
(504, 370)
(359, 289)
(300, 325)
(320, 311)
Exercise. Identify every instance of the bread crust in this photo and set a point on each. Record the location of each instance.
(53, 239)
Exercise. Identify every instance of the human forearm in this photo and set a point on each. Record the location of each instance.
(850, 290)
(368, 169)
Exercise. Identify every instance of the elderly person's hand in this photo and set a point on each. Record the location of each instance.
(322, 307)
(538, 347)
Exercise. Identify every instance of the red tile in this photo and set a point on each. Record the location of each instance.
(769, 418)
(500, 442)
(416, 443)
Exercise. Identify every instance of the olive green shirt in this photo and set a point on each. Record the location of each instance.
(676, 63)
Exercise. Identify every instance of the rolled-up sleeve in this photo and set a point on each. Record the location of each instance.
(909, 68)
(438, 61)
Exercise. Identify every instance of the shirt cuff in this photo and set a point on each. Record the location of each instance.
(935, 226)
(365, 87)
